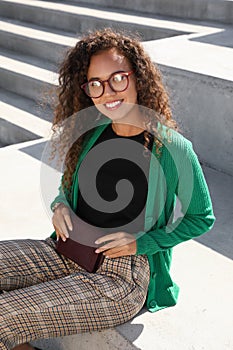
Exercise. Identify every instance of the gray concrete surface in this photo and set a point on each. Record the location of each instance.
(203, 107)
(24, 76)
(28, 38)
(21, 119)
(76, 19)
(195, 62)
(212, 10)
(203, 318)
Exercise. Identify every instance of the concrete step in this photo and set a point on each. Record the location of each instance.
(185, 51)
(30, 53)
(194, 104)
(199, 79)
(201, 88)
(39, 110)
(197, 268)
(207, 10)
(34, 40)
(77, 19)
(25, 75)
(21, 119)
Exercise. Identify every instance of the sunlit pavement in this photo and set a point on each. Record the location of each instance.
(203, 317)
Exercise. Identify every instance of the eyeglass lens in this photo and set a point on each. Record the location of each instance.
(118, 82)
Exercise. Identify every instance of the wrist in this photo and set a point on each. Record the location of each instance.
(55, 206)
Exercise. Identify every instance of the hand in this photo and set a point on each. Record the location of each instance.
(61, 221)
(120, 244)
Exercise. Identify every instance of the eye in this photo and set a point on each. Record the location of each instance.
(118, 78)
(94, 83)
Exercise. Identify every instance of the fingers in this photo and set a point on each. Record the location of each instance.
(116, 240)
(129, 249)
(110, 237)
(68, 221)
(62, 222)
(121, 243)
(112, 244)
(60, 234)
(63, 230)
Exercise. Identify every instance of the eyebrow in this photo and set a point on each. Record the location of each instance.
(94, 78)
(97, 78)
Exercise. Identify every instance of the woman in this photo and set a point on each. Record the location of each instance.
(50, 295)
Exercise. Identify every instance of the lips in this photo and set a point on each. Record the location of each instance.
(113, 104)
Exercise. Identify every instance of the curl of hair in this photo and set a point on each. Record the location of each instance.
(72, 99)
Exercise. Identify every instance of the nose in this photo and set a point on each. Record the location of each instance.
(107, 89)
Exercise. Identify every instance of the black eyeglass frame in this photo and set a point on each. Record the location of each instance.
(127, 74)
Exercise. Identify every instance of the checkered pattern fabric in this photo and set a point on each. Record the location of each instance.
(46, 295)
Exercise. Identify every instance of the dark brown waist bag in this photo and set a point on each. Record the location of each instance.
(80, 246)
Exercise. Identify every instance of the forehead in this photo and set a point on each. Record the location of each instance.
(106, 62)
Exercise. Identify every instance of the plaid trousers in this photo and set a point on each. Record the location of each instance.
(47, 295)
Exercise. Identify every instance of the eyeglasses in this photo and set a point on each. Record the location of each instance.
(118, 82)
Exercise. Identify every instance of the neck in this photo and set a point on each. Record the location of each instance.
(126, 129)
(130, 126)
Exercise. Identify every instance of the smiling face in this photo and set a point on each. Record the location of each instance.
(115, 105)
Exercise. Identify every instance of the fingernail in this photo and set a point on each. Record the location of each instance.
(97, 251)
(64, 239)
(97, 241)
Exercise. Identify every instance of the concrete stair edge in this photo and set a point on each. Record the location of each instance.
(109, 339)
(62, 16)
(39, 41)
(207, 10)
(22, 119)
(25, 78)
(166, 329)
(19, 72)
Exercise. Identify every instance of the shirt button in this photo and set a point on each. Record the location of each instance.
(154, 274)
(153, 303)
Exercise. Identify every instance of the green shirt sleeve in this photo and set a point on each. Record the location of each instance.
(61, 197)
(196, 206)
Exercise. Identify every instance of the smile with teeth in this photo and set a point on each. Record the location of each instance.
(113, 104)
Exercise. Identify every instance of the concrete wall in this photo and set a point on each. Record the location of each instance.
(203, 106)
(210, 10)
(202, 103)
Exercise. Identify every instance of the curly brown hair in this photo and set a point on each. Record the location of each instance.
(72, 99)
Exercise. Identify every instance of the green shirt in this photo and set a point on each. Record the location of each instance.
(176, 173)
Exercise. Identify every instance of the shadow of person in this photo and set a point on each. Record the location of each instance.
(132, 331)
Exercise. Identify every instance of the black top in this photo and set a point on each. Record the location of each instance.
(114, 158)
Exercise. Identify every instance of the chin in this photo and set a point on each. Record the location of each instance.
(124, 111)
